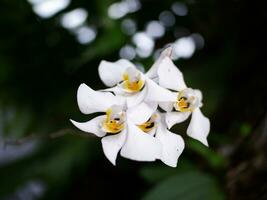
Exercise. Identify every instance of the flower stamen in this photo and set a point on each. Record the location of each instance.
(114, 122)
(149, 124)
(186, 101)
(132, 81)
(182, 103)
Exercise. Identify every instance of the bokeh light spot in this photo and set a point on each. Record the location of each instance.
(155, 29)
(183, 48)
(74, 18)
(128, 26)
(144, 43)
(167, 18)
(127, 52)
(48, 8)
(179, 9)
(86, 34)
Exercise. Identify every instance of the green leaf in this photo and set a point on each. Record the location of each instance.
(245, 129)
(214, 159)
(15, 120)
(186, 186)
(154, 174)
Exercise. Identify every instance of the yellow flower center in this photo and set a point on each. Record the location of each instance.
(113, 125)
(134, 86)
(183, 103)
(188, 100)
(149, 124)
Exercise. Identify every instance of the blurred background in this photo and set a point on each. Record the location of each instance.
(49, 47)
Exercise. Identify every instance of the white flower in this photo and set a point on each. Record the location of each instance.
(117, 126)
(131, 123)
(126, 80)
(172, 144)
(187, 101)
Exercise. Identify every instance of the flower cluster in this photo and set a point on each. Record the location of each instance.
(131, 122)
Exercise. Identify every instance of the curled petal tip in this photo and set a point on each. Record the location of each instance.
(173, 166)
(206, 143)
(113, 162)
(73, 122)
(203, 141)
(82, 85)
(167, 52)
(169, 126)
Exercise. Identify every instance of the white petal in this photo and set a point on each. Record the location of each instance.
(172, 146)
(152, 104)
(173, 118)
(170, 76)
(115, 89)
(111, 73)
(112, 144)
(92, 126)
(166, 106)
(152, 132)
(153, 71)
(140, 113)
(158, 93)
(198, 93)
(135, 99)
(199, 127)
(156, 80)
(90, 101)
(140, 146)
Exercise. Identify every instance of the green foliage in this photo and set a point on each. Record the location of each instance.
(188, 186)
(214, 159)
(155, 174)
(245, 129)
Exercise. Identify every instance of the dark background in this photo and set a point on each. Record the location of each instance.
(42, 156)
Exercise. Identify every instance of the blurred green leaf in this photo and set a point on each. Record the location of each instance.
(155, 174)
(212, 157)
(187, 186)
(245, 129)
(15, 120)
(69, 154)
